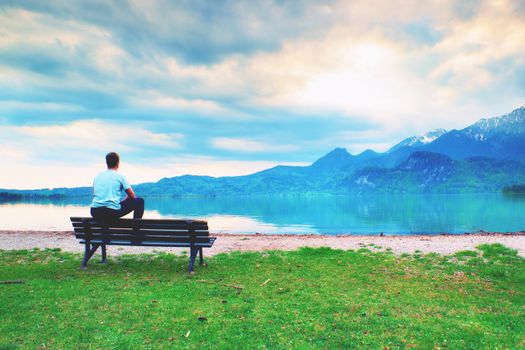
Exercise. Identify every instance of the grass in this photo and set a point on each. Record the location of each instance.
(310, 298)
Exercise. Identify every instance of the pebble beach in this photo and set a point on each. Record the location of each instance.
(444, 244)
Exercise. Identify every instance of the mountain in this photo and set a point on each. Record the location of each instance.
(337, 172)
(338, 159)
(417, 141)
(55, 193)
(485, 156)
(501, 137)
(432, 172)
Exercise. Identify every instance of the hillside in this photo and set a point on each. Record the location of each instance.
(433, 172)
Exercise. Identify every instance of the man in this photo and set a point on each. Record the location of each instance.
(108, 188)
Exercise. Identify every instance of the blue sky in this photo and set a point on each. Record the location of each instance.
(232, 87)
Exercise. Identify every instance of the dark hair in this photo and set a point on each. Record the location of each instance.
(112, 159)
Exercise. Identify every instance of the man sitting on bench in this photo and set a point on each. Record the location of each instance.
(108, 188)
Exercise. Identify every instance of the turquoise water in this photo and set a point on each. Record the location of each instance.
(367, 214)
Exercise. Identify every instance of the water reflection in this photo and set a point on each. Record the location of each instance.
(312, 214)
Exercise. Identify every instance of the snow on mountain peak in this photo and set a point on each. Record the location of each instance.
(430, 136)
(512, 123)
(420, 140)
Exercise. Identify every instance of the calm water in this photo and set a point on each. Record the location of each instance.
(401, 214)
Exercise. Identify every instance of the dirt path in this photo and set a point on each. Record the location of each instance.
(442, 244)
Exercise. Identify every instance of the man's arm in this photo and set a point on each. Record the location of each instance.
(130, 193)
(127, 187)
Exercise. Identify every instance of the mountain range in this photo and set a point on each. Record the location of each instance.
(483, 157)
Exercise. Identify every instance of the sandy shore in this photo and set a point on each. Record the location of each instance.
(442, 244)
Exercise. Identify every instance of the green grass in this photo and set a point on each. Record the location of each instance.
(313, 298)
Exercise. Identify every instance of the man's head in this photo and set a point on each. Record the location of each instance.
(112, 160)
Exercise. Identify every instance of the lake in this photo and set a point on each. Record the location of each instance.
(365, 214)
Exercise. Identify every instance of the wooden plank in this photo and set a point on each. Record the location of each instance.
(145, 229)
(154, 244)
(137, 235)
(138, 224)
(141, 231)
(136, 238)
(142, 221)
(141, 227)
(154, 228)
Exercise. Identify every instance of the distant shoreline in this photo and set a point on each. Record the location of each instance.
(444, 243)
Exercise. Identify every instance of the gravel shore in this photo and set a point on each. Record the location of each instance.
(443, 244)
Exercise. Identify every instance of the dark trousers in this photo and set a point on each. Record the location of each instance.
(126, 206)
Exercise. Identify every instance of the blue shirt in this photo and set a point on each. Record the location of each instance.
(108, 189)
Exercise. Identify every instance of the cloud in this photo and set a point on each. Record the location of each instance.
(85, 140)
(272, 81)
(376, 59)
(249, 146)
(198, 165)
(29, 175)
(376, 139)
(49, 61)
(25, 107)
(71, 154)
(12, 154)
(155, 101)
(355, 72)
(493, 37)
(197, 31)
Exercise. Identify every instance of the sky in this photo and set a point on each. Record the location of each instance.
(225, 88)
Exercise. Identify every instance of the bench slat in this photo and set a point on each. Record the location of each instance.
(117, 224)
(133, 223)
(142, 232)
(135, 238)
(153, 244)
(142, 221)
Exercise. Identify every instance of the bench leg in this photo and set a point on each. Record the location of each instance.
(94, 248)
(201, 259)
(86, 255)
(193, 255)
(89, 250)
(104, 257)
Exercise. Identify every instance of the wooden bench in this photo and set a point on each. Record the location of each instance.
(192, 234)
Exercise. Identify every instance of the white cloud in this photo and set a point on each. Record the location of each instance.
(83, 139)
(495, 34)
(95, 134)
(249, 146)
(210, 108)
(8, 153)
(26, 174)
(34, 29)
(38, 106)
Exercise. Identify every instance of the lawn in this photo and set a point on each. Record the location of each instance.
(310, 298)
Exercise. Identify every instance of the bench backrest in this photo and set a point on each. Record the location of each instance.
(137, 230)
